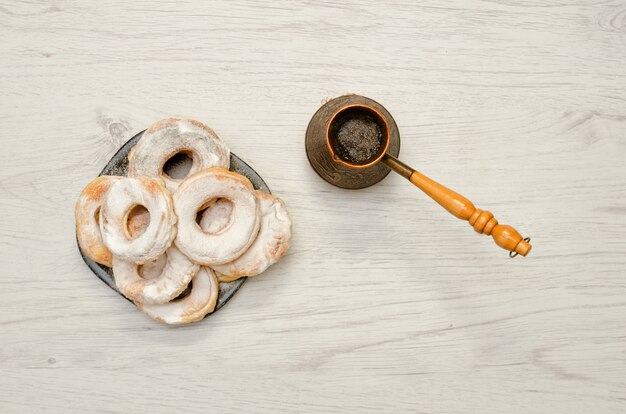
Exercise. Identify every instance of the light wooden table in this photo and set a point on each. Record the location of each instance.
(385, 303)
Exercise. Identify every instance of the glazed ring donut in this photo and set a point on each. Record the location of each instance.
(168, 283)
(121, 198)
(201, 300)
(201, 189)
(171, 136)
(87, 214)
(270, 245)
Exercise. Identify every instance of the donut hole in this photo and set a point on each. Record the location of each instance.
(137, 221)
(184, 293)
(153, 269)
(96, 216)
(216, 216)
(178, 165)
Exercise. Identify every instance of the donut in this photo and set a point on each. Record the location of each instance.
(200, 301)
(200, 190)
(159, 286)
(123, 196)
(171, 136)
(270, 245)
(87, 213)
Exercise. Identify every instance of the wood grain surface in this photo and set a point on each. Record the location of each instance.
(385, 303)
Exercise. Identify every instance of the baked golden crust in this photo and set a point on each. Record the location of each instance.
(87, 215)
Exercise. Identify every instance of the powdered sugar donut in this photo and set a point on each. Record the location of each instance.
(171, 136)
(154, 289)
(270, 245)
(202, 189)
(87, 213)
(121, 198)
(200, 301)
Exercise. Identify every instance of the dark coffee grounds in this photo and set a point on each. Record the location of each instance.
(359, 139)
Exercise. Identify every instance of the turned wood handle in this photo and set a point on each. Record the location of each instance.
(482, 221)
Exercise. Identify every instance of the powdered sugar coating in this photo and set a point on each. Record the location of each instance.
(201, 189)
(271, 244)
(195, 306)
(170, 136)
(157, 289)
(123, 195)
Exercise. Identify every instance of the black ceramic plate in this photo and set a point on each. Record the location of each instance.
(118, 165)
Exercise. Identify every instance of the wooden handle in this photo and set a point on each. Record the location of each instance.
(483, 221)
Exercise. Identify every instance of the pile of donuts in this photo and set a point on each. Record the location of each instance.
(170, 242)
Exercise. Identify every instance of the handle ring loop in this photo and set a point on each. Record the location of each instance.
(513, 254)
